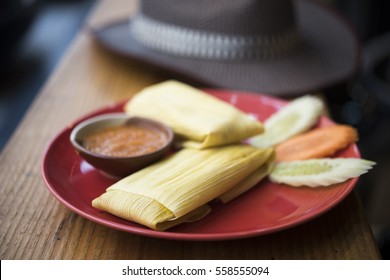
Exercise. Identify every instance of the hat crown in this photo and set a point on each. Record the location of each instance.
(220, 29)
(242, 17)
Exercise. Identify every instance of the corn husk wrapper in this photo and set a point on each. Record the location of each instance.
(252, 180)
(178, 188)
(198, 117)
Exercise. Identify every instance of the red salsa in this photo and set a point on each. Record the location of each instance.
(125, 140)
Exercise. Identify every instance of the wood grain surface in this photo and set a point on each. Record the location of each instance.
(34, 225)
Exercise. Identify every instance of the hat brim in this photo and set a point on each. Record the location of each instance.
(330, 55)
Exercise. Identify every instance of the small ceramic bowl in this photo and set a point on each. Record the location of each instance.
(119, 166)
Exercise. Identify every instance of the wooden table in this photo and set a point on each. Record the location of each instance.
(34, 225)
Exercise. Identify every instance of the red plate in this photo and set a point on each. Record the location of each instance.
(266, 208)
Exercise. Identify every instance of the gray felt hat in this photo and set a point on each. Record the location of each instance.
(277, 47)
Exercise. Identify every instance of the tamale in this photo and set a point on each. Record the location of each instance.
(198, 117)
(178, 188)
(252, 180)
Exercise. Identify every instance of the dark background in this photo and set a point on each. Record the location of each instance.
(35, 33)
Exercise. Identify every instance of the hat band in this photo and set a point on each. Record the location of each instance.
(200, 44)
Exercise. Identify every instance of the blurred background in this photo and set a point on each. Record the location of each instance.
(35, 34)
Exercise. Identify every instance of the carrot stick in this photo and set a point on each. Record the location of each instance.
(317, 143)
